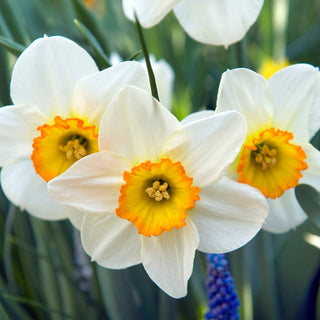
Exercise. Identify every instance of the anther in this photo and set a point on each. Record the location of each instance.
(158, 191)
(265, 156)
(73, 150)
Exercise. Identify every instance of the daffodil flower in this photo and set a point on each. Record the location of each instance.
(217, 22)
(59, 97)
(156, 191)
(283, 114)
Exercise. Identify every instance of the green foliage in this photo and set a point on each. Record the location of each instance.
(309, 199)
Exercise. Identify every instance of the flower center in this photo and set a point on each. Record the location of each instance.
(265, 156)
(270, 163)
(75, 148)
(62, 144)
(156, 197)
(158, 191)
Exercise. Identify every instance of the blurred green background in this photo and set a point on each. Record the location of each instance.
(44, 274)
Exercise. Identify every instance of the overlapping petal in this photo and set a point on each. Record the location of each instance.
(27, 190)
(207, 147)
(247, 92)
(311, 176)
(228, 215)
(111, 241)
(94, 93)
(46, 72)
(285, 213)
(218, 22)
(294, 91)
(200, 115)
(18, 128)
(75, 216)
(168, 258)
(148, 12)
(139, 134)
(93, 183)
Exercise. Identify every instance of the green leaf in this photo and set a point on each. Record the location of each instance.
(37, 304)
(4, 78)
(127, 294)
(134, 56)
(14, 21)
(3, 314)
(91, 22)
(315, 141)
(11, 45)
(309, 200)
(8, 259)
(94, 43)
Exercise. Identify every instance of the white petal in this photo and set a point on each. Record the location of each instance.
(115, 58)
(92, 183)
(164, 77)
(136, 126)
(111, 241)
(203, 114)
(228, 215)
(247, 92)
(28, 190)
(94, 93)
(285, 213)
(293, 91)
(207, 147)
(311, 176)
(168, 258)
(18, 128)
(46, 72)
(148, 12)
(218, 22)
(314, 117)
(75, 216)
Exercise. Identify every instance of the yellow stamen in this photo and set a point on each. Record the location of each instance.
(265, 156)
(158, 191)
(74, 150)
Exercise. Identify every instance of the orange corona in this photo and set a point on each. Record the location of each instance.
(271, 163)
(156, 197)
(62, 144)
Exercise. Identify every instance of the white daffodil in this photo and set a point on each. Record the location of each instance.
(217, 22)
(59, 97)
(156, 191)
(283, 114)
(163, 74)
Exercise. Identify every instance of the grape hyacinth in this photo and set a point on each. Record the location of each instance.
(222, 299)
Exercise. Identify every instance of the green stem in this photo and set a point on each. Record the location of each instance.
(152, 79)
